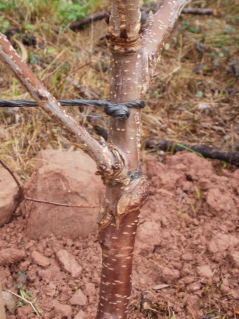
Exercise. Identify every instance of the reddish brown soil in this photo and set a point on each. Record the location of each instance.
(186, 261)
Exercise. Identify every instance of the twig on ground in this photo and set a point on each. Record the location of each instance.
(79, 24)
(12, 20)
(204, 150)
(198, 11)
(22, 194)
(27, 301)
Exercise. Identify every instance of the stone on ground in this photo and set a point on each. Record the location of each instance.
(79, 298)
(67, 178)
(10, 256)
(40, 259)
(80, 315)
(69, 263)
(64, 310)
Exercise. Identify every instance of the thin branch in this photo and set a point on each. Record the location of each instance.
(198, 11)
(27, 301)
(160, 24)
(22, 194)
(75, 133)
(58, 204)
(79, 24)
(11, 19)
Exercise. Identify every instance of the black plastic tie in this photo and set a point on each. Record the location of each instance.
(118, 111)
(121, 111)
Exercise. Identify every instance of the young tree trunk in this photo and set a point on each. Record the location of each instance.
(134, 54)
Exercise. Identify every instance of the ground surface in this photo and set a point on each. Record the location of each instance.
(186, 260)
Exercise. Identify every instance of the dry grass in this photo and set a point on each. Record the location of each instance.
(75, 65)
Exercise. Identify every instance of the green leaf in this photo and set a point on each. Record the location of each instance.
(28, 26)
(51, 50)
(199, 94)
(189, 149)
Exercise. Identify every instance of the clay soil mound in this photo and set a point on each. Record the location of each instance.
(186, 260)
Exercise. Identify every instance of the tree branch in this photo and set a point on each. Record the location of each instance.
(160, 24)
(79, 24)
(75, 133)
(199, 11)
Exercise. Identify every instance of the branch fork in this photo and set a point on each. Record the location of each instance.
(49, 104)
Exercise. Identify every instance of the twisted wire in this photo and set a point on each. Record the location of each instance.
(118, 111)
